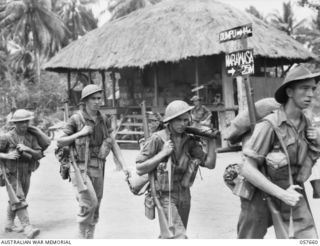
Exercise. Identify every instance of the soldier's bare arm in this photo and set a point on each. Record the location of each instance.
(250, 171)
(210, 161)
(65, 139)
(12, 155)
(150, 164)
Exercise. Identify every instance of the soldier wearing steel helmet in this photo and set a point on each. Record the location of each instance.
(90, 123)
(183, 149)
(20, 152)
(279, 174)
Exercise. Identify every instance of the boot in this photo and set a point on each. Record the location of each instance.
(82, 231)
(30, 231)
(10, 226)
(90, 231)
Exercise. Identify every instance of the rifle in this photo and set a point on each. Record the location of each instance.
(207, 133)
(81, 186)
(164, 225)
(278, 224)
(11, 193)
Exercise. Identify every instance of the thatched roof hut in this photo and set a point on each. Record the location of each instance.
(171, 31)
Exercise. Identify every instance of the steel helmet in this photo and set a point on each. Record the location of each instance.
(89, 90)
(21, 115)
(175, 109)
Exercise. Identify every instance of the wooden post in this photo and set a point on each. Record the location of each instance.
(103, 77)
(113, 78)
(155, 84)
(196, 69)
(90, 80)
(227, 93)
(69, 86)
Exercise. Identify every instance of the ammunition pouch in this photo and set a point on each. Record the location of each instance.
(80, 146)
(63, 156)
(162, 183)
(190, 175)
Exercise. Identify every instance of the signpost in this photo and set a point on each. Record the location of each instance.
(235, 33)
(240, 62)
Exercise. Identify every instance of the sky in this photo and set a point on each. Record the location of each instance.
(268, 6)
(263, 6)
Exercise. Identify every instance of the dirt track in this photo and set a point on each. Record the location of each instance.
(214, 209)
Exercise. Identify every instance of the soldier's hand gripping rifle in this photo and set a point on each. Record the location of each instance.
(164, 225)
(278, 224)
(81, 186)
(11, 193)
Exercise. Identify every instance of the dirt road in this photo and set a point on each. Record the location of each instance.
(52, 205)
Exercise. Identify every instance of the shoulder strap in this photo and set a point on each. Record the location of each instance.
(81, 117)
(284, 147)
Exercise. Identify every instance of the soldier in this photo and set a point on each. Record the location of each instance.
(262, 154)
(19, 152)
(155, 124)
(89, 124)
(201, 115)
(183, 149)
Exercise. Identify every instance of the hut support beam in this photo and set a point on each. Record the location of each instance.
(155, 83)
(113, 78)
(227, 91)
(197, 75)
(103, 77)
(69, 86)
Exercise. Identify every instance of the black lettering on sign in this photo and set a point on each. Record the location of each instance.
(240, 63)
(236, 33)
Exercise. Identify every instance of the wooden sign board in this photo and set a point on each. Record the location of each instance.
(239, 32)
(240, 63)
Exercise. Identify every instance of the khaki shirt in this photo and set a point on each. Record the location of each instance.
(9, 141)
(190, 148)
(302, 153)
(100, 132)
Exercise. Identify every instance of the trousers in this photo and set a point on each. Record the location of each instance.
(255, 218)
(89, 200)
(180, 208)
(20, 183)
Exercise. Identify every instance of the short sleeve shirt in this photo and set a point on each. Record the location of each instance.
(264, 139)
(191, 148)
(100, 131)
(9, 141)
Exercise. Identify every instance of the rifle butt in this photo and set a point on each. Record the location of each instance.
(164, 226)
(11, 193)
(77, 174)
(165, 230)
(78, 178)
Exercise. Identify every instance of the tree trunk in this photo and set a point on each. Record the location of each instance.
(37, 65)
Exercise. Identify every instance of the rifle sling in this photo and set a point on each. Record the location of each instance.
(284, 147)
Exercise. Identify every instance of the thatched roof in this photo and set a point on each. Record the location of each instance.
(170, 31)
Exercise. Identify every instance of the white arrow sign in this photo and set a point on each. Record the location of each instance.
(232, 71)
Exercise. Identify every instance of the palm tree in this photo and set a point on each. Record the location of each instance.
(77, 17)
(252, 10)
(120, 8)
(285, 21)
(32, 21)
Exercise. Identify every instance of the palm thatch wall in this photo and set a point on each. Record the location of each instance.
(170, 31)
